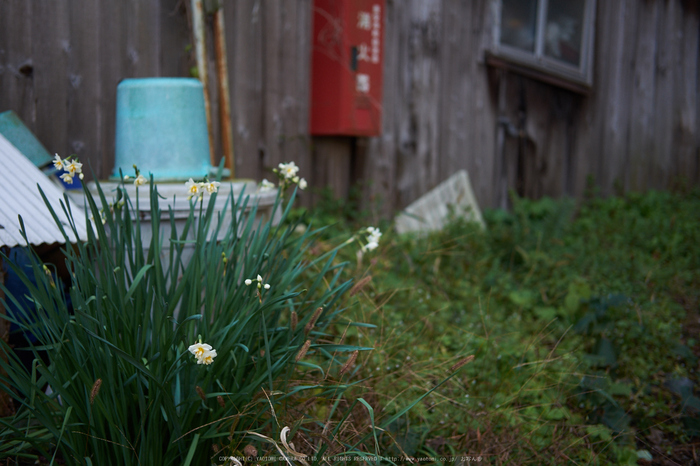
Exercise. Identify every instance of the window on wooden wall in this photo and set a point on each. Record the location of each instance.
(547, 38)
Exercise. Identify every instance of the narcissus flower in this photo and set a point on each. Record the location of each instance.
(266, 186)
(373, 236)
(198, 349)
(211, 187)
(58, 162)
(302, 183)
(140, 180)
(67, 178)
(207, 357)
(193, 189)
(203, 353)
(73, 167)
(288, 170)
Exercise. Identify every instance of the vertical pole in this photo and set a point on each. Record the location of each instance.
(200, 44)
(224, 94)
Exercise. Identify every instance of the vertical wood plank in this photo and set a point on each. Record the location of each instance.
(468, 108)
(112, 69)
(83, 114)
(379, 175)
(331, 167)
(17, 61)
(298, 96)
(455, 115)
(641, 141)
(417, 108)
(687, 105)
(51, 48)
(481, 164)
(611, 94)
(667, 62)
(286, 84)
(273, 131)
(245, 53)
(142, 38)
(174, 39)
(550, 114)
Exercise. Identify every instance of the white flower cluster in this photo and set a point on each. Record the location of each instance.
(259, 279)
(71, 167)
(140, 180)
(373, 236)
(198, 189)
(287, 173)
(266, 186)
(203, 353)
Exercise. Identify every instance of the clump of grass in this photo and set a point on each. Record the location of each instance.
(580, 320)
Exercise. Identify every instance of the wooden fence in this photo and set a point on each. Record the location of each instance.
(638, 128)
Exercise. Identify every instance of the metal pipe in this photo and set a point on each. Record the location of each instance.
(200, 44)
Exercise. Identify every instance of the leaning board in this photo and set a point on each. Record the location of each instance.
(432, 210)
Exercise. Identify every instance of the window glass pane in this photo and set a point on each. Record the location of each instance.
(562, 38)
(518, 22)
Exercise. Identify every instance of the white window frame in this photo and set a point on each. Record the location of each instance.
(538, 61)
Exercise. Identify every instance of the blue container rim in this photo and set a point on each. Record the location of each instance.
(160, 82)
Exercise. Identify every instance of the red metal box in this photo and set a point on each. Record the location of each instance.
(346, 67)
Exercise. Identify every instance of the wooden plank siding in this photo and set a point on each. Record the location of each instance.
(637, 128)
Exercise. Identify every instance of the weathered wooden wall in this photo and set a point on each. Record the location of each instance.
(61, 61)
(638, 128)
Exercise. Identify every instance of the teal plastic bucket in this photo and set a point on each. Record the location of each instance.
(162, 129)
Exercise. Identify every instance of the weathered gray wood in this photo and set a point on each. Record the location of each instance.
(112, 70)
(174, 39)
(60, 63)
(667, 60)
(380, 159)
(642, 105)
(244, 48)
(286, 63)
(481, 162)
(687, 83)
(612, 110)
(50, 49)
(16, 61)
(142, 38)
(456, 119)
(330, 163)
(419, 109)
(273, 135)
(83, 84)
(550, 113)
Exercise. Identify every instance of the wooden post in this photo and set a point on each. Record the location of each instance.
(224, 95)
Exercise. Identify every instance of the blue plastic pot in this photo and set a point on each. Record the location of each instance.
(162, 129)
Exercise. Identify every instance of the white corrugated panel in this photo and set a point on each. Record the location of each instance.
(19, 195)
